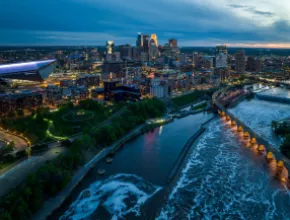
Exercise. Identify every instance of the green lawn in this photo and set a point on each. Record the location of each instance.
(43, 125)
(191, 97)
(188, 98)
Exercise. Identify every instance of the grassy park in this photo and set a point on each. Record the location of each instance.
(191, 97)
(44, 126)
(51, 178)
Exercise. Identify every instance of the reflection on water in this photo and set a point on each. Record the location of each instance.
(225, 180)
(150, 156)
(258, 115)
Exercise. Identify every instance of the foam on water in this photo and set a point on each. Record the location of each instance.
(224, 180)
(258, 115)
(119, 195)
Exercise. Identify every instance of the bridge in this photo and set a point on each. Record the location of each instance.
(276, 160)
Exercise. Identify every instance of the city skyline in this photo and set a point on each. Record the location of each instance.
(257, 23)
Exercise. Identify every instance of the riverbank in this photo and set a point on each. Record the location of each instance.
(153, 205)
(53, 204)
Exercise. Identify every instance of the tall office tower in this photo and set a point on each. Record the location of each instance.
(222, 49)
(110, 47)
(139, 42)
(221, 56)
(126, 51)
(144, 56)
(154, 37)
(240, 62)
(251, 64)
(254, 65)
(153, 50)
(136, 53)
(145, 43)
(173, 43)
(167, 50)
(258, 65)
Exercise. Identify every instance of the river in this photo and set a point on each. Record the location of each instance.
(259, 114)
(220, 179)
(223, 179)
(139, 170)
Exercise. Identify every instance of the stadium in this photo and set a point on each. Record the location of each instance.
(32, 71)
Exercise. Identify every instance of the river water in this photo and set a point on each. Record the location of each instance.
(221, 178)
(139, 170)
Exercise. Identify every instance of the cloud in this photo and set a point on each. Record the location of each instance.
(253, 10)
(237, 6)
(92, 22)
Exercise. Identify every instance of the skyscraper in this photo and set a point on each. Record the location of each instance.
(145, 43)
(253, 65)
(126, 51)
(221, 56)
(139, 42)
(153, 50)
(110, 46)
(154, 37)
(240, 62)
(173, 43)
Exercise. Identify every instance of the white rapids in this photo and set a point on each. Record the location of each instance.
(119, 195)
(223, 179)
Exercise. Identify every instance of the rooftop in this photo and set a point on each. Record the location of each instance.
(20, 67)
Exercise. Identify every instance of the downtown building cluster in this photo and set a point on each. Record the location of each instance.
(123, 72)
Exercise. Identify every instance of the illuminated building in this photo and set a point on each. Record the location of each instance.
(23, 100)
(88, 80)
(159, 88)
(173, 43)
(153, 49)
(110, 46)
(221, 56)
(113, 90)
(154, 37)
(33, 71)
(139, 42)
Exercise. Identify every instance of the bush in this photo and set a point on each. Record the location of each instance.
(39, 147)
(66, 143)
(21, 154)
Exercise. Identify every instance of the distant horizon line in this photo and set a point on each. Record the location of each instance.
(228, 46)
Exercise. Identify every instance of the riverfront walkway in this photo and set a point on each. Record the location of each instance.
(54, 203)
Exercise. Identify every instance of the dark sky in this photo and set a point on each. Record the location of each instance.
(192, 22)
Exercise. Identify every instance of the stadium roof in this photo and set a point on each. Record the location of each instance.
(21, 67)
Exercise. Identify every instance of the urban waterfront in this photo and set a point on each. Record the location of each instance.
(221, 177)
(139, 170)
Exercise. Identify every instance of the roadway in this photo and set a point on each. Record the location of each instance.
(14, 175)
(20, 143)
(17, 172)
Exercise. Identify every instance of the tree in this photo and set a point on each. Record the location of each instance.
(20, 112)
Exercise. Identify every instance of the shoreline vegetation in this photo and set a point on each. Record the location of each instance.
(189, 98)
(282, 129)
(50, 125)
(24, 201)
